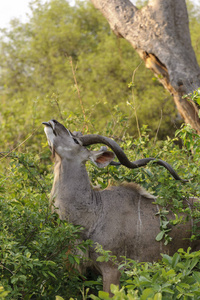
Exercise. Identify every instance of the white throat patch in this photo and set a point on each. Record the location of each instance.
(50, 135)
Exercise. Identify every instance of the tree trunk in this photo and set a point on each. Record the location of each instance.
(159, 32)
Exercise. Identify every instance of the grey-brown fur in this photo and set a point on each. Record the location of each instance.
(120, 218)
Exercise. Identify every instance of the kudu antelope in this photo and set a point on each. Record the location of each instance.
(120, 218)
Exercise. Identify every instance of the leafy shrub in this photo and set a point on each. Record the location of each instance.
(35, 245)
(174, 277)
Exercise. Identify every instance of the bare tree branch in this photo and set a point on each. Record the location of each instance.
(159, 32)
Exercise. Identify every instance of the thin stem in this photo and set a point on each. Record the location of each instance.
(78, 90)
(20, 143)
(156, 136)
(58, 106)
(133, 97)
(6, 269)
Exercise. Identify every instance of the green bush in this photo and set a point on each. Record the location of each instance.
(35, 245)
(174, 277)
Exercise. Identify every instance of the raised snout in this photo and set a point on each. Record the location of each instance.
(55, 128)
(46, 123)
(51, 124)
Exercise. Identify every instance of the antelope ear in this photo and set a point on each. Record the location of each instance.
(102, 158)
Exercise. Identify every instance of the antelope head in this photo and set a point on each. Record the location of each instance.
(65, 144)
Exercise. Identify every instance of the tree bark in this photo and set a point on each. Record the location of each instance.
(159, 32)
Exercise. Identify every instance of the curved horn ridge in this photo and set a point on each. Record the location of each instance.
(96, 139)
(144, 161)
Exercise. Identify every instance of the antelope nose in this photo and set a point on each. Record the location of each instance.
(46, 123)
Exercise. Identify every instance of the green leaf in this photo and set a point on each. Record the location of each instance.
(184, 285)
(52, 275)
(165, 224)
(71, 259)
(167, 259)
(77, 259)
(28, 254)
(94, 297)
(101, 258)
(22, 278)
(14, 279)
(189, 294)
(147, 293)
(194, 262)
(158, 296)
(144, 279)
(114, 288)
(180, 289)
(92, 282)
(160, 236)
(167, 290)
(175, 260)
(170, 273)
(196, 275)
(103, 295)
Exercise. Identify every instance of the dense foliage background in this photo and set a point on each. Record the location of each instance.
(66, 64)
(37, 81)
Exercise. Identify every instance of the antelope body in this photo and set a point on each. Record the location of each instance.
(120, 218)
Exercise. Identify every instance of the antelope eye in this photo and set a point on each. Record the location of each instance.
(75, 140)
